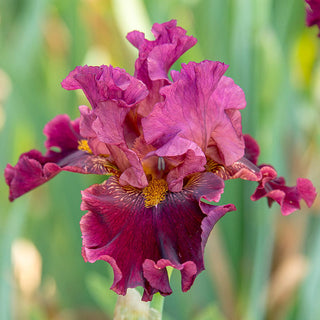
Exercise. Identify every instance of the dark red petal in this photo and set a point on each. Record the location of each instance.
(63, 133)
(252, 149)
(275, 189)
(140, 242)
(33, 169)
(27, 174)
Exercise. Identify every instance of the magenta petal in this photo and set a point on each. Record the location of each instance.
(240, 169)
(214, 214)
(188, 156)
(34, 169)
(157, 56)
(288, 198)
(193, 111)
(27, 174)
(111, 92)
(106, 83)
(63, 133)
(109, 128)
(252, 149)
(306, 190)
(139, 242)
(88, 117)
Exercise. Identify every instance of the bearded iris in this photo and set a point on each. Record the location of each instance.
(165, 147)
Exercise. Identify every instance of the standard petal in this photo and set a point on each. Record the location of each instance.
(139, 241)
(106, 83)
(193, 111)
(112, 93)
(109, 129)
(275, 189)
(156, 58)
(185, 157)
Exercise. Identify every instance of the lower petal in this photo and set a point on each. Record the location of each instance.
(140, 242)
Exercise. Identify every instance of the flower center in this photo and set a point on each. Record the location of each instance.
(213, 166)
(83, 146)
(155, 192)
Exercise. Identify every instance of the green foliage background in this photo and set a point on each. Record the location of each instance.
(260, 265)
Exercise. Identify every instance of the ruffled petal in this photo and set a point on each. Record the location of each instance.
(195, 112)
(111, 92)
(275, 189)
(86, 123)
(34, 169)
(139, 241)
(106, 83)
(185, 157)
(156, 58)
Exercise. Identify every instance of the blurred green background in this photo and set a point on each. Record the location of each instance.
(260, 265)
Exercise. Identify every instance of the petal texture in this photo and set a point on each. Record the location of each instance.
(275, 189)
(140, 242)
(156, 57)
(112, 93)
(195, 108)
(34, 169)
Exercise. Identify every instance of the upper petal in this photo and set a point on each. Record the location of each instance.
(185, 157)
(111, 92)
(194, 111)
(157, 56)
(105, 83)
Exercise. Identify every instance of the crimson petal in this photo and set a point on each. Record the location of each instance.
(274, 189)
(33, 169)
(140, 242)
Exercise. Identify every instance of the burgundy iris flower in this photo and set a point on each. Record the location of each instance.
(165, 147)
(313, 13)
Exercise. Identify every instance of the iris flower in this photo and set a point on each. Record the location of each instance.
(313, 13)
(165, 147)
